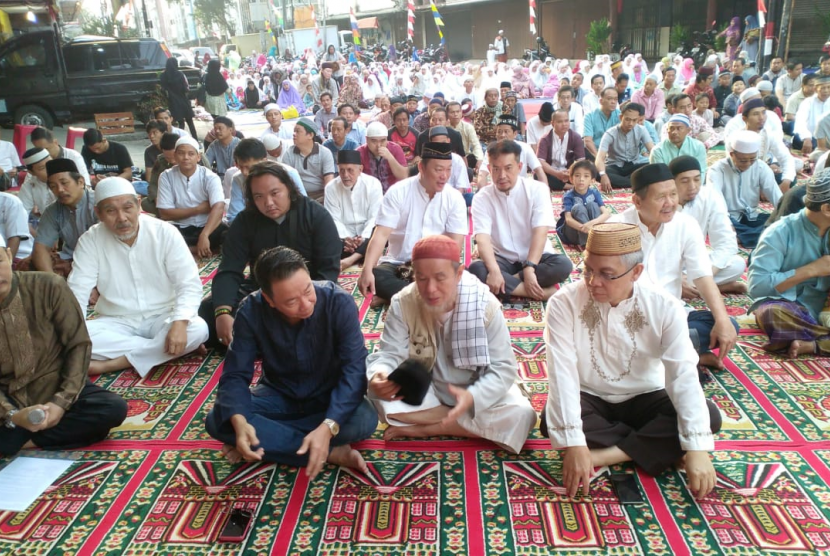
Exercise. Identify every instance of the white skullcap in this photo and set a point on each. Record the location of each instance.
(377, 129)
(188, 141)
(271, 142)
(112, 187)
(765, 85)
(745, 142)
(271, 106)
(2, 241)
(749, 93)
(36, 157)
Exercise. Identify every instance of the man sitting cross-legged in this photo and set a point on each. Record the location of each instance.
(707, 207)
(671, 243)
(453, 326)
(191, 197)
(511, 220)
(309, 405)
(353, 199)
(148, 284)
(789, 276)
(44, 357)
(413, 208)
(622, 373)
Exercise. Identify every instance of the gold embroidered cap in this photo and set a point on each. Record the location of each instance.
(614, 238)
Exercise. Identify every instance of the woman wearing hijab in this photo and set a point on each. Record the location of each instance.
(733, 38)
(215, 88)
(289, 96)
(521, 83)
(678, 70)
(752, 36)
(175, 84)
(551, 87)
(253, 99)
(268, 90)
(688, 71)
(351, 93)
(638, 59)
(333, 56)
(638, 76)
(418, 86)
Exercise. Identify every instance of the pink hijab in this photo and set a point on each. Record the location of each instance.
(688, 71)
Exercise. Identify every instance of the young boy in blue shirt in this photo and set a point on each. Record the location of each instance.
(582, 206)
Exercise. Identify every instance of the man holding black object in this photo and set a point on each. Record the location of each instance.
(449, 323)
(309, 405)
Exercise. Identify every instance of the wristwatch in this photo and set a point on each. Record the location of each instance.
(9, 416)
(526, 264)
(601, 174)
(333, 426)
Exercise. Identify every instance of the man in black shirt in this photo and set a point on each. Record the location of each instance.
(275, 214)
(105, 158)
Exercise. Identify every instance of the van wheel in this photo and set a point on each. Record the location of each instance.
(31, 114)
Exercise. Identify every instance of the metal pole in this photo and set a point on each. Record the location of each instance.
(786, 23)
(789, 32)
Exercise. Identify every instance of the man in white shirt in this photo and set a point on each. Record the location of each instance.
(45, 139)
(622, 373)
(508, 129)
(413, 208)
(148, 285)
(447, 333)
(565, 98)
(163, 115)
(809, 113)
(742, 178)
(707, 207)
(538, 126)
(34, 192)
(772, 150)
(789, 83)
(511, 220)
(192, 198)
(14, 227)
(671, 243)
(590, 101)
(275, 127)
(353, 199)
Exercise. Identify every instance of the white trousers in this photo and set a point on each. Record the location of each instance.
(507, 423)
(733, 271)
(140, 340)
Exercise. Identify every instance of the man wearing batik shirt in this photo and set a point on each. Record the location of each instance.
(486, 118)
(44, 357)
(382, 159)
(403, 135)
(622, 373)
(453, 327)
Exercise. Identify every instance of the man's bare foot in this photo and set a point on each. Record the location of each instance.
(735, 287)
(201, 351)
(29, 445)
(799, 347)
(345, 456)
(377, 302)
(349, 261)
(108, 366)
(710, 360)
(231, 453)
(392, 433)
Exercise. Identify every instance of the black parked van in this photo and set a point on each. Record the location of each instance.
(47, 83)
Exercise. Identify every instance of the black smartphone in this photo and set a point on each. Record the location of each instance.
(625, 485)
(237, 525)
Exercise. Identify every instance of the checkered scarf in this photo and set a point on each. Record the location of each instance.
(469, 338)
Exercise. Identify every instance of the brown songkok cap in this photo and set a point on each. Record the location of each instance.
(614, 238)
(436, 247)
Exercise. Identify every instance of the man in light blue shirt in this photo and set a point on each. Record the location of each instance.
(789, 276)
(247, 153)
(356, 130)
(599, 121)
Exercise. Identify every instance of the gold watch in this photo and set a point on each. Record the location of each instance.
(333, 426)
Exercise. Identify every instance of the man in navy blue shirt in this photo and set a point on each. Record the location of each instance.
(309, 405)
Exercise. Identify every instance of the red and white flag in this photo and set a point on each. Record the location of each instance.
(533, 16)
(317, 28)
(410, 20)
(762, 9)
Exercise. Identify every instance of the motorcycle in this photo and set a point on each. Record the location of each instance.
(541, 53)
(434, 55)
(405, 50)
(698, 46)
(622, 50)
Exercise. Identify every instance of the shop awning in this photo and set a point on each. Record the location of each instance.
(367, 23)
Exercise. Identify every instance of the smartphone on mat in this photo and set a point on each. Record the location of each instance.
(625, 485)
(237, 526)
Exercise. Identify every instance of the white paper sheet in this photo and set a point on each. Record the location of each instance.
(25, 479)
